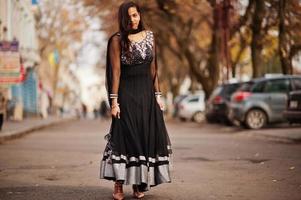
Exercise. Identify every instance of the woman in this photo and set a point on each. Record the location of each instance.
(138, 148)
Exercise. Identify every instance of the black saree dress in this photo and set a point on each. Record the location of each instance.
(138, 149)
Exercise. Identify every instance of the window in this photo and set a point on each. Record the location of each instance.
(297, 83)
(215, 92)
(230, 89)
(246, 87)
(258, 87)
(196, 99)
(277, 86)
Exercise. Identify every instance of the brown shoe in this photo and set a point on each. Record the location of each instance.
(136, 193)
(118, 191)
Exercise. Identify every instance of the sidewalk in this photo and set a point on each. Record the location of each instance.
(15, 129)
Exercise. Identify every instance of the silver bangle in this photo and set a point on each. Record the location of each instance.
(113, 96)
(158, 95)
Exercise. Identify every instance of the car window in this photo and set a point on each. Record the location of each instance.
(215, 92)
(180, 98)
(277, 86)
(246, 87)
(196, 99)
(297, 83)
(230, 89)
(258, 87)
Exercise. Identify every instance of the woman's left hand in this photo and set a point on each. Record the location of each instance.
(159, 101)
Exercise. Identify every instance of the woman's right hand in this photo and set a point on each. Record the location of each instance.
(115, 111)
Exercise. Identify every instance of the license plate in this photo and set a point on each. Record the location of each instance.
(293, 104)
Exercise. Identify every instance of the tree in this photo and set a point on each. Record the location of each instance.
(257, 37)
(289, 42)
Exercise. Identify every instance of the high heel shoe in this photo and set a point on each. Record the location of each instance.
(118, 191)
(136, 193)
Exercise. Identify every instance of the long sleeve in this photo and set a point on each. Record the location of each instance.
(114, 55)
(154, 69)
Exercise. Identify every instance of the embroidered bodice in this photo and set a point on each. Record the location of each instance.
(140, 52)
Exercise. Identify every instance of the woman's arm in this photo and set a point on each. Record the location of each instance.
(114, 53)
(154, 69)
(155, 77)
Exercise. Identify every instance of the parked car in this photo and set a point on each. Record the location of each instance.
(263, 100)
(293, 109)
(217, 106)
(192, 107)
(176, 103)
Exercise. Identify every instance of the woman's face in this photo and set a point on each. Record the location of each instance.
(134, 17)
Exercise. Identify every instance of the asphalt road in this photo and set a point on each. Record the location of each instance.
(209, 162)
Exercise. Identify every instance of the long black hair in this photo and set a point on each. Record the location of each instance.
(124, 30)
(125, 23)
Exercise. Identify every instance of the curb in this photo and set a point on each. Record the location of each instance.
(20, 133)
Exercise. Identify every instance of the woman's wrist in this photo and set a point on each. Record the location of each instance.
(115, 105)
(113, 96)
(158, 94)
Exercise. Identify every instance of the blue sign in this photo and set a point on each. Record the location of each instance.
(34, 2)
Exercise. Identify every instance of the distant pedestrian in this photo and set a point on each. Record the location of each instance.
(138, 149)
(44, 104)
(95, 112)
(103, 109)
(2, 110)
(84, 110)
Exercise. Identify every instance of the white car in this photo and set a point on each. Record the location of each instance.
(192, 107)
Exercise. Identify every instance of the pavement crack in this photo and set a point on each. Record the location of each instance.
(203, 159)
(198, 159)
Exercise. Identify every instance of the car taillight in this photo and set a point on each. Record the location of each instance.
(217, 100)
(241, 96)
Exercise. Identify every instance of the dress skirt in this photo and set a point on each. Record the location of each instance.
(138, 149)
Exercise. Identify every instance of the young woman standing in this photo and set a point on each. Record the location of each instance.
(138, 149)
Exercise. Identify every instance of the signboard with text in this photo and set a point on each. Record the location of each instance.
(10, 64)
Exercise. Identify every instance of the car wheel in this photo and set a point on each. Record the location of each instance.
(198, 117)
(256, 119)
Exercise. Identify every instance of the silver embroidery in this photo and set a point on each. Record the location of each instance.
(140, 52)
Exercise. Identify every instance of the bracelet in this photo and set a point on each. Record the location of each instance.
(158, 94)
(113, 96)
